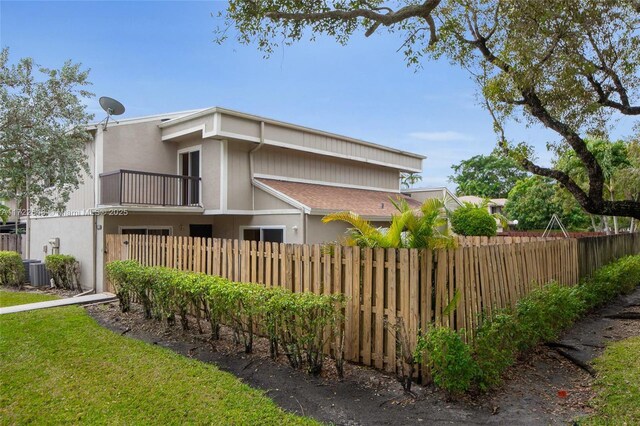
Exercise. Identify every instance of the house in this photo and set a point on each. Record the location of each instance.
(442, 193)
(223, 174)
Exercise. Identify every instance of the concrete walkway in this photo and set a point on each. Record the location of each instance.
(82, 300)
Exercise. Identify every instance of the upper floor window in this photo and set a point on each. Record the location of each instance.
(189, 165)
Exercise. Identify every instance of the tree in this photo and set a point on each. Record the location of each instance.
(407, 180)
(533, 201)
(612, 157)
(42, 133)
(628, 178)
(486, 176)
(426, 228)
(473, 220)
(4, 213)
(569, 65)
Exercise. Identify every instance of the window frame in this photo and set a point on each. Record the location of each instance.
(146, 228)
(283, 228)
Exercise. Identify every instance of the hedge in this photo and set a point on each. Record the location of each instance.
(472, 220)
(11, 269)
(538, 317)
(298, 324)
(65, 271)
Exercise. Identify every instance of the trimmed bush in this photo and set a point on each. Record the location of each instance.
(11, 269)
(298, 323)
(543, 314)
(538, 317)
(448, 358)
(472, 220)
(65, 271)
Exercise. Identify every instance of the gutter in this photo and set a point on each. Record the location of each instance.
(251, 165)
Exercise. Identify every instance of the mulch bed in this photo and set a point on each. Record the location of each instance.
(542, 388)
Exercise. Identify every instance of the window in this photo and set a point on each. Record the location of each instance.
(146, 230)
(189, 167)
(266, 234)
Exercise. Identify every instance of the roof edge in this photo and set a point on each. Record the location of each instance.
(240, 114)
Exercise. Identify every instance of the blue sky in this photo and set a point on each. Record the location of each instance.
(160, 56)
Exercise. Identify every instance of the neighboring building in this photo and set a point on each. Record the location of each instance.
(224, 174)
(495, 205)
(421, 194)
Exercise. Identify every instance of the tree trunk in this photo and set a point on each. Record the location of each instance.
(615, 218)
(605, 224)
(593, 222)
(27, 251)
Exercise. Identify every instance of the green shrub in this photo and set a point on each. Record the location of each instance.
(448, 358)
(495, 347)
(11, 269)
(607, 282)
(472, 220)
(300, 323)
(544, 312)
(65, 271)
(121, 274)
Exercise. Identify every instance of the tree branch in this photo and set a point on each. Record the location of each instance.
(423, 10)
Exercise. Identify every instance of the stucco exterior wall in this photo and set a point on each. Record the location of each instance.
(318, 232)
(138, 146)
(76, 239)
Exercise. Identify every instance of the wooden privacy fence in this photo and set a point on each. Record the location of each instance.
(383, 286)
(485, 241)
(11, 242)
(595, 252)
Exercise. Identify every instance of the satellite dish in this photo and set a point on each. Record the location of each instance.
(111, 107)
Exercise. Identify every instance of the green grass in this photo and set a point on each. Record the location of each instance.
(618, 385)
(59, 366)
(11, 298)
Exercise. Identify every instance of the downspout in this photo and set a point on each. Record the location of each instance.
(251, 166)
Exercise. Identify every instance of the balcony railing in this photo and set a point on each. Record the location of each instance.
(131, 187)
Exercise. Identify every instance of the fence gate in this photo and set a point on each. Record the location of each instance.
(116, 247)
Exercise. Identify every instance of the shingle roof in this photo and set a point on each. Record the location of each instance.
(330, 198)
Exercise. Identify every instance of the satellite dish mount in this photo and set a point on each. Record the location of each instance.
(111, 107)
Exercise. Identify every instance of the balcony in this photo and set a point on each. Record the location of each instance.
(131, 187)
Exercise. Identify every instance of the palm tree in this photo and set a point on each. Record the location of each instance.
(425, 227)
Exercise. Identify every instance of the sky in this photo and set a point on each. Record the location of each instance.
(160, 56)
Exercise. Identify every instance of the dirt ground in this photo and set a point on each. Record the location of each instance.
(369, 397)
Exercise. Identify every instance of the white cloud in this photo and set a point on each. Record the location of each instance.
(446, 136)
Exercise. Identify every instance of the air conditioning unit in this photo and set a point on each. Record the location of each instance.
(39, 275)
(26, 263)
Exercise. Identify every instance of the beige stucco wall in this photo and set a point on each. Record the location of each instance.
(76, 239)
(318, 232)
(138, 146)
(264, 201)
(223, 226)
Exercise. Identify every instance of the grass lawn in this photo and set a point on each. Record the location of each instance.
(59, 366)
(618, 384)
(11, 298)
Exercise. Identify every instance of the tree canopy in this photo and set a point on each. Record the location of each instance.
(486, 176)
(534, 200)
(569, 65)
(42, 132)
